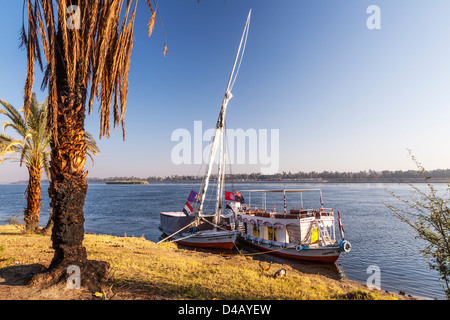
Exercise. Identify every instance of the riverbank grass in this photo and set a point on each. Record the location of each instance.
(141, 269)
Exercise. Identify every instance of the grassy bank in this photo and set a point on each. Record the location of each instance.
(140, 269)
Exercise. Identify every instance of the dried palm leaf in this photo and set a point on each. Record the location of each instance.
(97, 54)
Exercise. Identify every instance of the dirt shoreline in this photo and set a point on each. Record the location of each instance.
(140, 269)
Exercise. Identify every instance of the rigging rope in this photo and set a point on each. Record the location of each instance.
(191, 235)
(242, 54)
(257, 253)
(227, 146)
(177, 231)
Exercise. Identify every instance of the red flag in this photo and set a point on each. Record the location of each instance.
(187, 210)
(229, 196)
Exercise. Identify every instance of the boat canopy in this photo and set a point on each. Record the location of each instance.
(282, 191)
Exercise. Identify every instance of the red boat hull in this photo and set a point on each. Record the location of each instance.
(216, 245)
(328, 256)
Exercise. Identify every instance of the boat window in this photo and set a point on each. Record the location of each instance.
(272, 234)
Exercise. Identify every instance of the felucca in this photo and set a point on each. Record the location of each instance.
(192, 226)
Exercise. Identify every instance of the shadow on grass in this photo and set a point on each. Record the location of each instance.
(19, 275)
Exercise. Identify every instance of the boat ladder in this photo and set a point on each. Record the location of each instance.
(324, 235)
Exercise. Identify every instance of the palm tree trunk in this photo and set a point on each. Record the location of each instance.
(32, 211)
(68, 186)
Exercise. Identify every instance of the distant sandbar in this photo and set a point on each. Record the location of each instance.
(127, 182)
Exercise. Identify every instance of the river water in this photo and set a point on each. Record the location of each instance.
(378, 238)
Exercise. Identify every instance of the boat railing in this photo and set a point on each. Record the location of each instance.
(290, 214)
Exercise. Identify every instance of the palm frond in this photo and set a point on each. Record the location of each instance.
(97, 54)
(4, 139)
(151, 23)
(35, 138)
(14, 146)
(91, 144)
(17, 122)
(8, 145)
(29, 43)
(46, 164)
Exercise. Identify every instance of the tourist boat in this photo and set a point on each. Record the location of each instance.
(304, 234)
(192, 226)
(193, 231)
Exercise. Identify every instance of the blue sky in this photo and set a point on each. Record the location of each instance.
(343, 97)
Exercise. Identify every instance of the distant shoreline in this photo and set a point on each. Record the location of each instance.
(371, 176)
(128, 182)
(239, 181)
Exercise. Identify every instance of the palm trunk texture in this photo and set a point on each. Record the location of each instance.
(31, 214)
(68, 186)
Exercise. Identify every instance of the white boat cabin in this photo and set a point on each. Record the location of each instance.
(308, 227)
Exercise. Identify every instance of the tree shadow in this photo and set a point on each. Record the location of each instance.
(19, 275)
(329, 270)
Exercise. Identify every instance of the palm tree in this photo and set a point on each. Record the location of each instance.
(33, 149)
(87, 45)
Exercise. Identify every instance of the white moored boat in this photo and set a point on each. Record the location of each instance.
(187, 231)
(305, 234)
(192, 226)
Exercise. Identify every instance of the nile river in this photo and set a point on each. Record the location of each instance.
(378, 238)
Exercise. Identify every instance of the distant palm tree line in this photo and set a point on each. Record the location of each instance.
(324, 176)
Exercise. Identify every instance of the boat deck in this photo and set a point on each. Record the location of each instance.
(293, 214)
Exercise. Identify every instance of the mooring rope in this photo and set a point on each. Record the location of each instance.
(263, 252)
(176, 232)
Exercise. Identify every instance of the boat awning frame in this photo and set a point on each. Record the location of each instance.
(282, 191)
